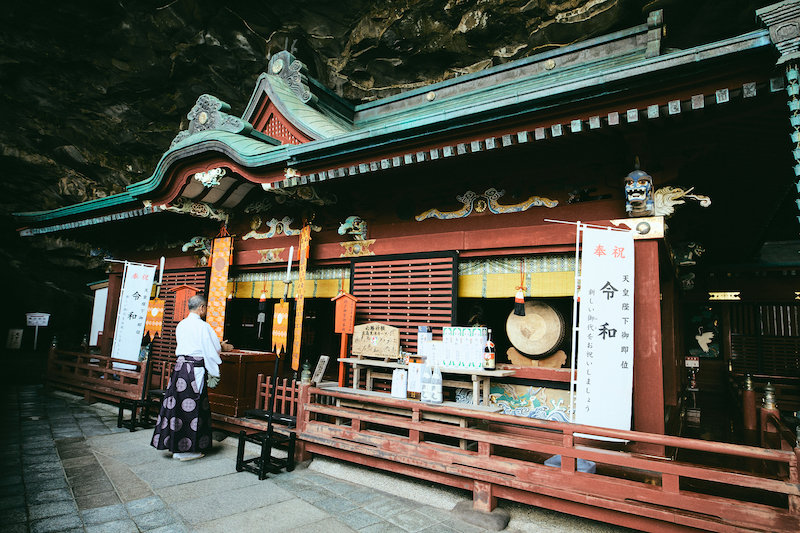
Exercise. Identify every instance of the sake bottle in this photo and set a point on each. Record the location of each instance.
(436, 386)
(488, 352)
(426, 384)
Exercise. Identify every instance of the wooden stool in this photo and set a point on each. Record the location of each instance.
(265, 462)
(135, 421)
(150, 398)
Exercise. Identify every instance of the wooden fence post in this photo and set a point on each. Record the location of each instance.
(300, 453)
(483, 498)
(794, 477)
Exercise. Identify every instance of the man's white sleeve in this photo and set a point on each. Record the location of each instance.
(211, 350)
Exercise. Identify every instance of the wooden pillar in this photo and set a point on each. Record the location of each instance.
(669, 333)
(112, 304)
(304, 397)
(648, 376)
(794, 477)
(749, 409)
(483, 498)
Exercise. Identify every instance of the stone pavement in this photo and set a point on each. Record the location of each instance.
(65, 466)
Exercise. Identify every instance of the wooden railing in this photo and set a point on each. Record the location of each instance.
(505, 459)
(774, 433)
(95, 376)
(286, 394)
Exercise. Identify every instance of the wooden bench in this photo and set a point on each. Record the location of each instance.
(95, 376)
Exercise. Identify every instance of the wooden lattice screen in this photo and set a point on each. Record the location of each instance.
(163, 347)
(765, 339)
(407, 292)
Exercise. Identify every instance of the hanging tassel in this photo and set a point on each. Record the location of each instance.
(519, 303)
(519, 298)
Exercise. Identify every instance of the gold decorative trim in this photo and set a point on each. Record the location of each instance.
(644, 227)
(276, 228)
(270, 255)
(480, 202)
(357, 248)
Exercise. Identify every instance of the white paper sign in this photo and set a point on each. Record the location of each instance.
(605, 339)
(137, 284)
(319, 370)
(37, 319)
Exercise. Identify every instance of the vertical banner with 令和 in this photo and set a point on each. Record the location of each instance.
(605, 341)
(218, 285)
(137, 283)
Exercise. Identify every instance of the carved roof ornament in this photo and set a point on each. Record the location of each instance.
(482, 202)
(198, 209)
(210, 113)
(210, 178)
(201, 247)
(295, 73)
(666, 198)
(305, 193)
(260, 206)
(276, 228)
(783, 21)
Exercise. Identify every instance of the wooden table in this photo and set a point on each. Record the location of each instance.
(480, 379)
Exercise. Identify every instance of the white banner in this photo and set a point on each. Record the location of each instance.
(137, 283)
(605, 338)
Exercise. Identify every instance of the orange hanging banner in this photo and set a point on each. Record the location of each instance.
(218, 285)
(155, 317)
(280, 327)
(305, 242)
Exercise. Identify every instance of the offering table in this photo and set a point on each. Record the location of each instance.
(480, 380)
(236, 391)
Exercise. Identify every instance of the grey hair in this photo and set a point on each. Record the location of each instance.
(197, 301)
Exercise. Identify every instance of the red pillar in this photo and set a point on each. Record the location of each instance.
(648, 380)
(303, 398)
(112, 304)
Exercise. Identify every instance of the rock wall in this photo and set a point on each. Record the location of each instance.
(94, 91)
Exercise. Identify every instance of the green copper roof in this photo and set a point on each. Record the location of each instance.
(307, 119)
(244, 150)
(608, 64)
(239, 148)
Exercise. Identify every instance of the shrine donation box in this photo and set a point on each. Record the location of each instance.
(236, 391)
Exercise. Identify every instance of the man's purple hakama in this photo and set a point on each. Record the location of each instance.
(184, 421)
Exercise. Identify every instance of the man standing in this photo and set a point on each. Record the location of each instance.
(183, 425)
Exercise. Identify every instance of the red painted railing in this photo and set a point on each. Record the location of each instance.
(286, 394)
(501, 456)
(95, 376)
